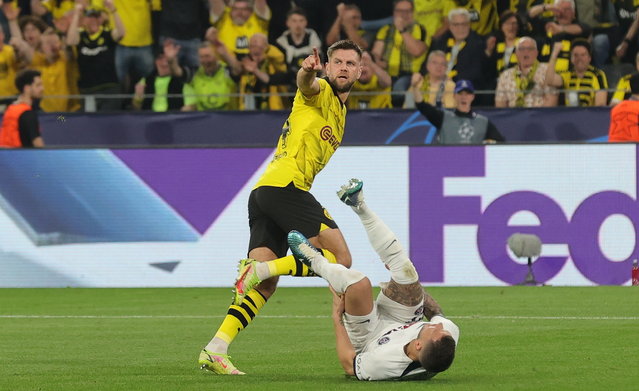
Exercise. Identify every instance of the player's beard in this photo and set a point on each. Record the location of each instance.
(345, 88)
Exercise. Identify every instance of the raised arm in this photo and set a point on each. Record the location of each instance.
(552, 78)
(383, 77)
(118, 27)
(333, 33)
(306, 80)
(262, 10)
(37, 8)
(216, 9)
(73, 33)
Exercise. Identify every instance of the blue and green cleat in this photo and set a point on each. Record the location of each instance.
(351, 193)
(301, 248)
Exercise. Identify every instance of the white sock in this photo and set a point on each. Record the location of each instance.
(263, 272)
(387, 246)
(337, 275)
(217, 345)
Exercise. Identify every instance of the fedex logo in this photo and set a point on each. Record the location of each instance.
(431, 210)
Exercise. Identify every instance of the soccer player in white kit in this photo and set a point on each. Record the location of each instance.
(387, 338)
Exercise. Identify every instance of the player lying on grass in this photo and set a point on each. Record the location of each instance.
(386, 338)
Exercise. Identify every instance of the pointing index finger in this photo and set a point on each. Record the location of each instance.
(316, 54)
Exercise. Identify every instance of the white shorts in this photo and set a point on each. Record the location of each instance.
(364, 328)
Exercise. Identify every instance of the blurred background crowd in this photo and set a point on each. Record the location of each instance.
(164, 55)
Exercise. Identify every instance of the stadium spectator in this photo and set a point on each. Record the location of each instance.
(624, 117)
(584, 84)
(184, 22)
(500, 46)
(95, 45)
(525, 84)
(264, 73)
(211, 85)
(320, 14)
(8, 68)
(437, 88)
(622, 91)
(626, 13)
(26, 34)
(464, 49)
(168, 78)
(134, 52)
(400, 48)
(564, 28)
(347, 26)
(238, 22)
(57, 13)
(375, 14)
(599, 15)
(430, 14)
(59, 73)
(372, 89)
(297, 43)
(20, 126)
(462, 126)
(484, 18)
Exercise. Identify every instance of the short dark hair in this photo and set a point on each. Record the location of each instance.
(296, 11)
(509, 14)
(344, 44)
(25, 78)
(437, 356)
(581, 42)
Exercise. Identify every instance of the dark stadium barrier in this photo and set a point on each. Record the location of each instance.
(255, 128)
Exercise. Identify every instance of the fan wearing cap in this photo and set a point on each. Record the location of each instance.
(461, 126)
(624, 117)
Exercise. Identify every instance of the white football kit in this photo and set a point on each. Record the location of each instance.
(383, 356)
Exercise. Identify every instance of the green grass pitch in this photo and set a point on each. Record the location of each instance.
(512, 338)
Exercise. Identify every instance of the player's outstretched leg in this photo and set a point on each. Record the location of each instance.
(336, 274)
(220, 364)
(351, 193)
(382, 239)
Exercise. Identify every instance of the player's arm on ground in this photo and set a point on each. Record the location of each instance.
(306, 80)
(345, 351)
(431, 307)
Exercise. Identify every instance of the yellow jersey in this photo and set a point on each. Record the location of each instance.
(136, 18)
(235, 37)
(377, 101)
(8, 67)
(310, 136)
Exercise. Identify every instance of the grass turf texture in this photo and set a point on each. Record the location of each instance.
(557, 338)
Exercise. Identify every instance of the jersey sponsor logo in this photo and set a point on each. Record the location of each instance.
(326, 134)
(91, 52)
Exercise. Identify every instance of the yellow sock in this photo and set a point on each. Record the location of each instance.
(289, 266)
(239, 316)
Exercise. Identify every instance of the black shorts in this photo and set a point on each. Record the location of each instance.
(274, 211)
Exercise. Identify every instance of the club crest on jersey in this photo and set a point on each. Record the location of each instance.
(383, 340)
(326, 134)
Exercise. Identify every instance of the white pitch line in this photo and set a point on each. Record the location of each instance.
(469, 317)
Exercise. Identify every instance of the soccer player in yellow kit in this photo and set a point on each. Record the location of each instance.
(281, 202)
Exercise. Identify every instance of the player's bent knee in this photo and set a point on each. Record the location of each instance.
(347, 278)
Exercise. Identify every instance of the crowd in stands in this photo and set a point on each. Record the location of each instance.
(197, 55)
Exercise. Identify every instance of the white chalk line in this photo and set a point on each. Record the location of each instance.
(468, 317)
